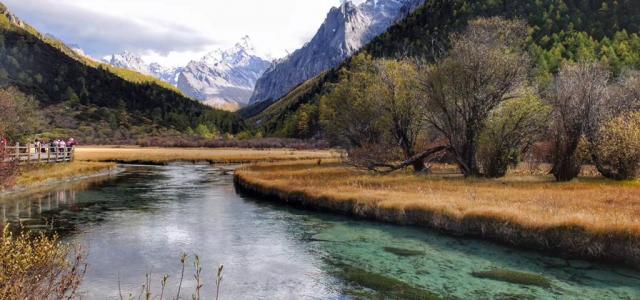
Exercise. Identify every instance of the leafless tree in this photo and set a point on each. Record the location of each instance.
(578, 97)
(611, 146)
(624, 95)
(485, 67)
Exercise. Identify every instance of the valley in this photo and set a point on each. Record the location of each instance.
(356, 149)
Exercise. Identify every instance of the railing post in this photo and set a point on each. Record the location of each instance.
(28, 152)
(48, 153)
(39, 151)
(17, 154)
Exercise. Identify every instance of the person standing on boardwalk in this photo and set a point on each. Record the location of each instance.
(3, 147)
(71, 143)
(62, 146)
(37, 145)
(54, 146)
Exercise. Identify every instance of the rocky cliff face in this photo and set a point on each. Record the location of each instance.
(345, 30)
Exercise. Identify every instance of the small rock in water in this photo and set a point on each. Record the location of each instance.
(403, 252)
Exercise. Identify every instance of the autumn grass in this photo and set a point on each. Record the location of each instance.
(169, 155)
(42, 173)
(590, 217)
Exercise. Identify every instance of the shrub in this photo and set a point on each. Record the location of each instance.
(510, 131)
(8, 173)
(245, 135)
(35, 266)
(617, 150)
(8, 170)
(19, 115)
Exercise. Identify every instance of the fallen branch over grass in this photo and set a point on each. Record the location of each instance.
(591, 218)
(418, 158)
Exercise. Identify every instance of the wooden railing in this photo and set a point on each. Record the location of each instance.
(32, 153)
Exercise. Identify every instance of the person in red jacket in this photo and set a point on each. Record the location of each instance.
(3, 145)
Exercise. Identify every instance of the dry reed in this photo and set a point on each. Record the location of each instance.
(41, 173)
(590, 217)
(168, 155)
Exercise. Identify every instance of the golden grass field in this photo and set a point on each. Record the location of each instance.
(38, 174)
(590, 217)
(218, 155)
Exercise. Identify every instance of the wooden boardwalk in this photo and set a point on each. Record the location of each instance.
(32, 154)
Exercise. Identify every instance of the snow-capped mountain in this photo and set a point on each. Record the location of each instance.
(222, 78)
(345, 30)
(131, 61)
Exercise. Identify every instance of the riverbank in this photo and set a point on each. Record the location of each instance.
(37, 176)
(589, 218)
(162, 156)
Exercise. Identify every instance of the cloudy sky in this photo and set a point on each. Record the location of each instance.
(173, 32)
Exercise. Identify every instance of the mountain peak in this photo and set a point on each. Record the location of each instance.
(224, 78)
(128, 60)
(346, 29)
(246, 44)
(243, 50)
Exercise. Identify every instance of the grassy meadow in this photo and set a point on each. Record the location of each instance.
(218, 155)
(589, 217)
(38, 174)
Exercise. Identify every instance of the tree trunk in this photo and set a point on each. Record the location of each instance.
(565, 168)
(418, 165)
(469, 156)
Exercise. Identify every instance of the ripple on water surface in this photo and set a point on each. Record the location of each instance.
(144, 218)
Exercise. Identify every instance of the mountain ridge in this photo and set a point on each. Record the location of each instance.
(223, 78)
(344, 31)
(91, 101)
(558, 33)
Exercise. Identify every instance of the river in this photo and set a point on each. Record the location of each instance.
(140, 221)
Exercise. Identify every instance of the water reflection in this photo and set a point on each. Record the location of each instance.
(142, 220)
(56, 209)
(30, 214)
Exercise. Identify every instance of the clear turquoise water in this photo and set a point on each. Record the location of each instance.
(142, 220)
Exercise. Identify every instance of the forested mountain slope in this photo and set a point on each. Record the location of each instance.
(84, 98)
(605, 30)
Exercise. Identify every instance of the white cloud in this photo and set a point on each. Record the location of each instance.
(174, 31)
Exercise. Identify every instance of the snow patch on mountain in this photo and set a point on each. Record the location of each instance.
(222, 78)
